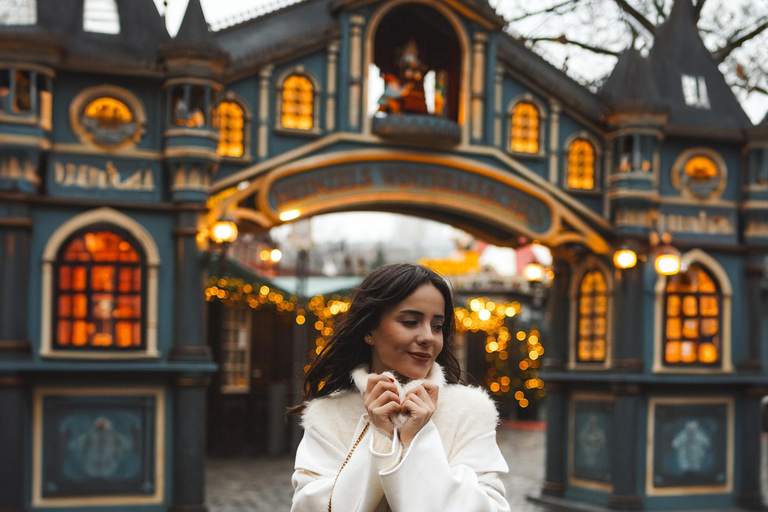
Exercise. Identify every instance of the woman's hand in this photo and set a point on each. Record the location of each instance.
(420, 404)
(381, 400)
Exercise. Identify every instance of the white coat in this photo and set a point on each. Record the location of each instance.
(452, 464)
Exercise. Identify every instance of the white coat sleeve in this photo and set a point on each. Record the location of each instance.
(426, 481)
(358, 488)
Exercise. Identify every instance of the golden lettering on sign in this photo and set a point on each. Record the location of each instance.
(702, 223)
(88, 176)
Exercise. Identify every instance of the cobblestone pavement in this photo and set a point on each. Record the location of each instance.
(264, 485)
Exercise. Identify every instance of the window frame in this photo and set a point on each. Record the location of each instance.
(86, 96)
(542, 111)
(144, 242)
(40, 109)
(597, 176)
(99, 226)
(227, 324)
(718, 274)
(299, 70)
(678, 170)
(592, 263)
(232, 97)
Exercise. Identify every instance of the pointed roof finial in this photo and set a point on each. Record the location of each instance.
(194, 28)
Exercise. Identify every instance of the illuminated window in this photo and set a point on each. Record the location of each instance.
(592, 318)
(231, 129)
(525, 128)
(692, 319)
(109, 113)
(581, 165)
(297, 103)
(22, 101)
(236, 350)
(101, 16)
(701, 168)
(99, 299)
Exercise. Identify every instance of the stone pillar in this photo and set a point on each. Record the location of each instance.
(555, 407)
(749, 496)
(15, 234)
(12, 444)
(189, 342)
(262, 139)
(557, 328)
(478, 85)
(498, 108)
(189, 444)
(356, 71)
(627, 320)
(554, 140)
(330, 86)
(624, 461)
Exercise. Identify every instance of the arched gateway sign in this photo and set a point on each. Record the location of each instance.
(438, 185)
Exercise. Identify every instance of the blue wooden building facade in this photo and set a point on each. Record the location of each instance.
(119, 152)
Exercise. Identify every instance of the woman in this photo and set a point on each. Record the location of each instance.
(387, 426)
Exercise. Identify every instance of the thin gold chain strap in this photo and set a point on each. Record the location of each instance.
(349, 455)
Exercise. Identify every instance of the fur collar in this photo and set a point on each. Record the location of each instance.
(435, 376)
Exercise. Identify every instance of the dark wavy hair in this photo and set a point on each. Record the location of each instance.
(385, 286)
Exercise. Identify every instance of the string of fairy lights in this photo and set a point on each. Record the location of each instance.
(506, 376)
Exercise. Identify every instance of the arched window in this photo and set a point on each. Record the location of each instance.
(231, 120)
(692, 327)
(99, 292)
(524, 128)
(297, 103)
(592, 324)
(581, 164)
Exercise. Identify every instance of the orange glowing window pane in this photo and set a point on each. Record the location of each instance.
(124, 334)
(79, 278)
(137, 280)
(707, 353)
(65, 305)
(79, 333)
(673, 352)
(231, 129)
(688, 353)
(709, 327)
(673, 305)
(709, 306)
(80, 306)
(581, 165)
(108, 112)
(64, 330)
(297, 103)
(525, 128)
(690, 305)
(65, 278)
(701, 168)
(102, 278)
(592, 324)
(674, 329)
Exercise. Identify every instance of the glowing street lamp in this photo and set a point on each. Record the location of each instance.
(668, 263)
(625, 258)
(224, 231)
(534, 272)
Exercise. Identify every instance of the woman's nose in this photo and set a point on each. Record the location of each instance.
(426, 335)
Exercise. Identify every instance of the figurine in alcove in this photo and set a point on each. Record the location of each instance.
(391, 101)
(412, 72)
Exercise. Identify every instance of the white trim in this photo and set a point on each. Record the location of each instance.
(726, 292)
(583, 134)
(591, 263)
(152, 255)
(526, 97)
(298, 70)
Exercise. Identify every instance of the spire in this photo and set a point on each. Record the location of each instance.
(631, 85)
(139, 20)
(194, 28)
(688, 78)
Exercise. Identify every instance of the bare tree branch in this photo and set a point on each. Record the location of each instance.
(645, 22)
(543, 11)
(659, 4)
(564, 40)
(726, 50)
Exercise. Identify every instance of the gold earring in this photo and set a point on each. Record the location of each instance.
(368, 340)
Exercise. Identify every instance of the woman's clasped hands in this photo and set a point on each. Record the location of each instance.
(382, 401)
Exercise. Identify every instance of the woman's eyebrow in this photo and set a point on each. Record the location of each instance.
(419, 313)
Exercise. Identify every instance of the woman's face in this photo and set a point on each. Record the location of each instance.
(410, 334)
